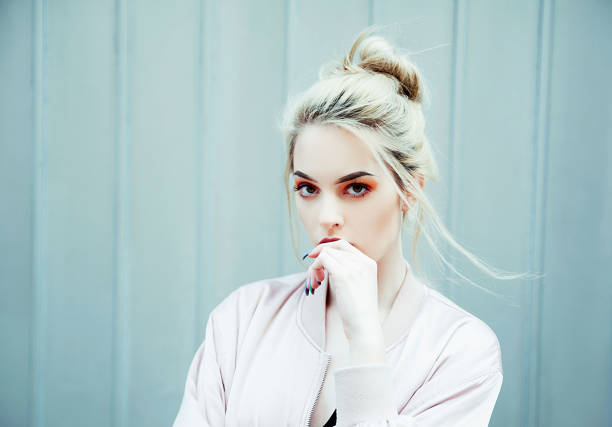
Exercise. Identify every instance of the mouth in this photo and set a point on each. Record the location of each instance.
(329, 239)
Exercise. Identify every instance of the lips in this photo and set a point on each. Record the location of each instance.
(329, 239)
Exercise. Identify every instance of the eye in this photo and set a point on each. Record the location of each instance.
(359, 190)
(359, 186)
(299, 187)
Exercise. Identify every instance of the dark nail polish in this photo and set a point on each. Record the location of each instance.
(307, 284)
(305, 255)
(319, 282)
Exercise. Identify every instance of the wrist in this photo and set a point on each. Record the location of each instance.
(364, 330)
(367, 347)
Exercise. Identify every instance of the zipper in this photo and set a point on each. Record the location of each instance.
(319, 392)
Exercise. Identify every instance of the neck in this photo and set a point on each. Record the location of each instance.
(391, 272)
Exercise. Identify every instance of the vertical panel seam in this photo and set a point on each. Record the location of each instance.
(451, 137)
(199, 137)
(453, 133)
(545, 75)
(283, 153)
(528, 380)
(115, 231)
(207, 269)
(121, 249)
(535, 255)
(114, 348)
(293, 27)
(39, 283)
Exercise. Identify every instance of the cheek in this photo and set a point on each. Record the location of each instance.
(304, 212)
(299, 209)
(383, 219)
(379, 225)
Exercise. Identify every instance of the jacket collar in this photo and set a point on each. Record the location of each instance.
(409, 300)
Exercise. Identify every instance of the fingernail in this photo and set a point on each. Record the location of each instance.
(319, 282)
(308, 280)
(313, 289)
(306, 254)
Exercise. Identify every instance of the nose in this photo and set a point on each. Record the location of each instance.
(330, 215)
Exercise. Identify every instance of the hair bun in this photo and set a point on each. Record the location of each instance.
(378, 56)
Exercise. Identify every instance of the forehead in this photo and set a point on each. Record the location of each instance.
(331, 149)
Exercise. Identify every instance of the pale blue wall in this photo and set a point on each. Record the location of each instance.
(140, 182)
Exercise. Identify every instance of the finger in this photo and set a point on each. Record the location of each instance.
(326, 261)
(337, 244)
(329, 258)
(320, 276)
(316, 277)
(312, 282)
(332, 257)
(316, 272)
(325, 278)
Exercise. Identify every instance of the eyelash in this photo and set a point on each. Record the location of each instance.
(298, 187)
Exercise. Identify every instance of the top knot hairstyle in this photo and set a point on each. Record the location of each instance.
(377, 94)
(378, 57)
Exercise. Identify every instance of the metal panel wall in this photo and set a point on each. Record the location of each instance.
(141, 183)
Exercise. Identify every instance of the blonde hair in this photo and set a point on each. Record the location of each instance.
(378, 97)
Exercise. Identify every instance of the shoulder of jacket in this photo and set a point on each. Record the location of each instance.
(247, 297)
(466, 341)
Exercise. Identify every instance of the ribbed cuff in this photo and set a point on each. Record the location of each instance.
(364, 394)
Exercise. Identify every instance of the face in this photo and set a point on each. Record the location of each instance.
(363, 209)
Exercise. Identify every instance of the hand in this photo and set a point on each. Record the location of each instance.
(353, 276)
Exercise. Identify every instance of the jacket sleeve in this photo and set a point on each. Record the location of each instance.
(203, 401)
(364, 398)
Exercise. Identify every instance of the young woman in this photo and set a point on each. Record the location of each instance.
(358, 339)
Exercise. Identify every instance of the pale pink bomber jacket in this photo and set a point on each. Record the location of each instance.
(263, 361)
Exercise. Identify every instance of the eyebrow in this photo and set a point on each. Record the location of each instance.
(345, 178)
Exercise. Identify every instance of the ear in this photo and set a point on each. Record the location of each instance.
(403, 206)
(421, 181)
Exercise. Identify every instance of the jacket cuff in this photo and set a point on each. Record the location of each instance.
(364, 393)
